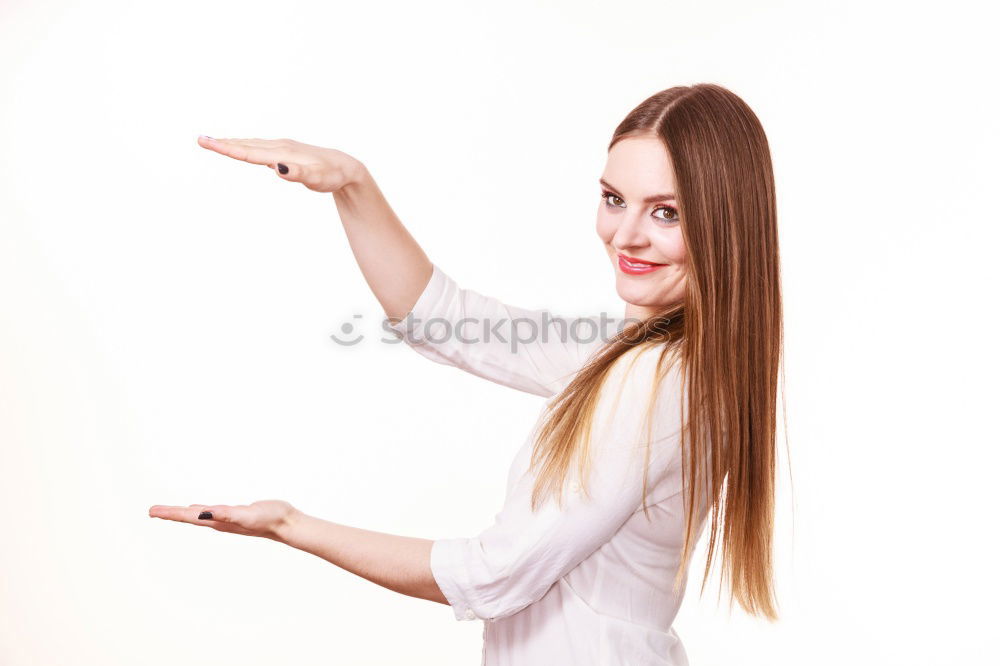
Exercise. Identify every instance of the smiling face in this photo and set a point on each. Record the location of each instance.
(638, 221)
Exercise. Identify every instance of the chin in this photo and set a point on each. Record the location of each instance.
(634, 292)
(641, 297)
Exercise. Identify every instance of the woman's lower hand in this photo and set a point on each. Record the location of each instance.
(266, 518)
(319, 169)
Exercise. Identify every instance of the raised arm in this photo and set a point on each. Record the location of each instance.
(530, 350)
(394, 265)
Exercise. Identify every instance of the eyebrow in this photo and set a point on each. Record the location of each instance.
(650, 199)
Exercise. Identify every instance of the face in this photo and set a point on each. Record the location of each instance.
(638, 221)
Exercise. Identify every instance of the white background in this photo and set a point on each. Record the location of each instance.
(165, 312)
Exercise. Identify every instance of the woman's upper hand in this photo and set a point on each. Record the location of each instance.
(319, 169)
(266, 518)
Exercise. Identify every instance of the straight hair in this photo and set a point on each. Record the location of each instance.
(726, 334)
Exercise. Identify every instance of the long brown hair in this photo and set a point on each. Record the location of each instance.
(726, 334)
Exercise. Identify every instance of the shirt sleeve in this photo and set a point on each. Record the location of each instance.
(514, 561)
(529, 350)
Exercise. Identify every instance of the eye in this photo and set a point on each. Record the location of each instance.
(605, 194)
(671, 211)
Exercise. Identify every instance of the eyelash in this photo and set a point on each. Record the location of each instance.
(607, 193)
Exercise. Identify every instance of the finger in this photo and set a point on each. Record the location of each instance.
(254, 142)
(181, 514)
(288, 170)
(264, 153)
(273, 153)
(235, 519)
(192, 514)
(233, 515)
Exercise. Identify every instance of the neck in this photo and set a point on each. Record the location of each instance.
(637, 312)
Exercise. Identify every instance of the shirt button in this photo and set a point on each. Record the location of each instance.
(470, 614)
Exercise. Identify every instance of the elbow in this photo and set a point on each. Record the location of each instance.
(491, 608)
(476, 590)
(499, 601)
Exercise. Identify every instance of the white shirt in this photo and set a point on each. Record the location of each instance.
(588, 584)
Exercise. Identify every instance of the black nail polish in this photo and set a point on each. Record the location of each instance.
(282, 168)
(205, 515)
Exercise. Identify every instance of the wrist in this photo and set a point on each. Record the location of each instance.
(356, 198)
(357, 176)
(286, 529)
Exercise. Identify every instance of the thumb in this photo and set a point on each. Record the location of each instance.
(218, 513)
(287, 171)
(226, 518)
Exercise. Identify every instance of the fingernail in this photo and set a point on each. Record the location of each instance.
(205, 136)
(205, 515)
(282, 168)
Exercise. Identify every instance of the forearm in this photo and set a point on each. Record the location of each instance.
(399, 563)
(392, 263)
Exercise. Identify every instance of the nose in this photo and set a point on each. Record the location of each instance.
(631, 232)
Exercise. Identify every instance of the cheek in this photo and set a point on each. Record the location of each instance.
(605, 227)
(670, 245)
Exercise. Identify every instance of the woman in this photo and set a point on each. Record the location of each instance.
(642, 429)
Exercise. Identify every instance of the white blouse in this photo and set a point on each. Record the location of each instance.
(588, 584)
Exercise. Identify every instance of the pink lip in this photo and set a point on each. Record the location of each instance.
(647, 266)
